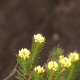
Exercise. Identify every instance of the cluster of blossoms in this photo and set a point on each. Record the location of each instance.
(39, 69)
(53, 65)
(39, 38)
(64, 61)
(74, 56)
(24, 53)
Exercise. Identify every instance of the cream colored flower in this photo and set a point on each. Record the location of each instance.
(39, 38)
(24, 53)
(52, 65)
(62, 56)
(39, 69)
(64, 61)
(74, 56)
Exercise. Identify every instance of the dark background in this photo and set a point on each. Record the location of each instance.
(21, 19)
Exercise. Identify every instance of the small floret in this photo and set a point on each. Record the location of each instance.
(74, 56)
(24, 53)
(39, 38)
(62, 56)
(39, 69)
(52, 65)
(64, 61)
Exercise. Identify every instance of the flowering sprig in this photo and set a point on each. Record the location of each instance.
(37, 46)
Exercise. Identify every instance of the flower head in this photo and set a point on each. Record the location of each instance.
(52, 65)
(39, 69)
(74, 56)
(64, 61)
(39, 38)
(24, 53)
(62, 56)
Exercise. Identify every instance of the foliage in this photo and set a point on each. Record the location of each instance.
(57, 66)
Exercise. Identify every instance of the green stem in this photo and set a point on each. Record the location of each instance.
(24, 67)
(70, 74)
(25, 74)
(50, 75)
(37, 78)
(59, 73)
(42, 77)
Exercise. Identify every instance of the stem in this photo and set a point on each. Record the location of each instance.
(34, 52)
(25, 74)
(60, 73)
(50, 75)
(70, 74)
(12, 72)
(37, 76)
